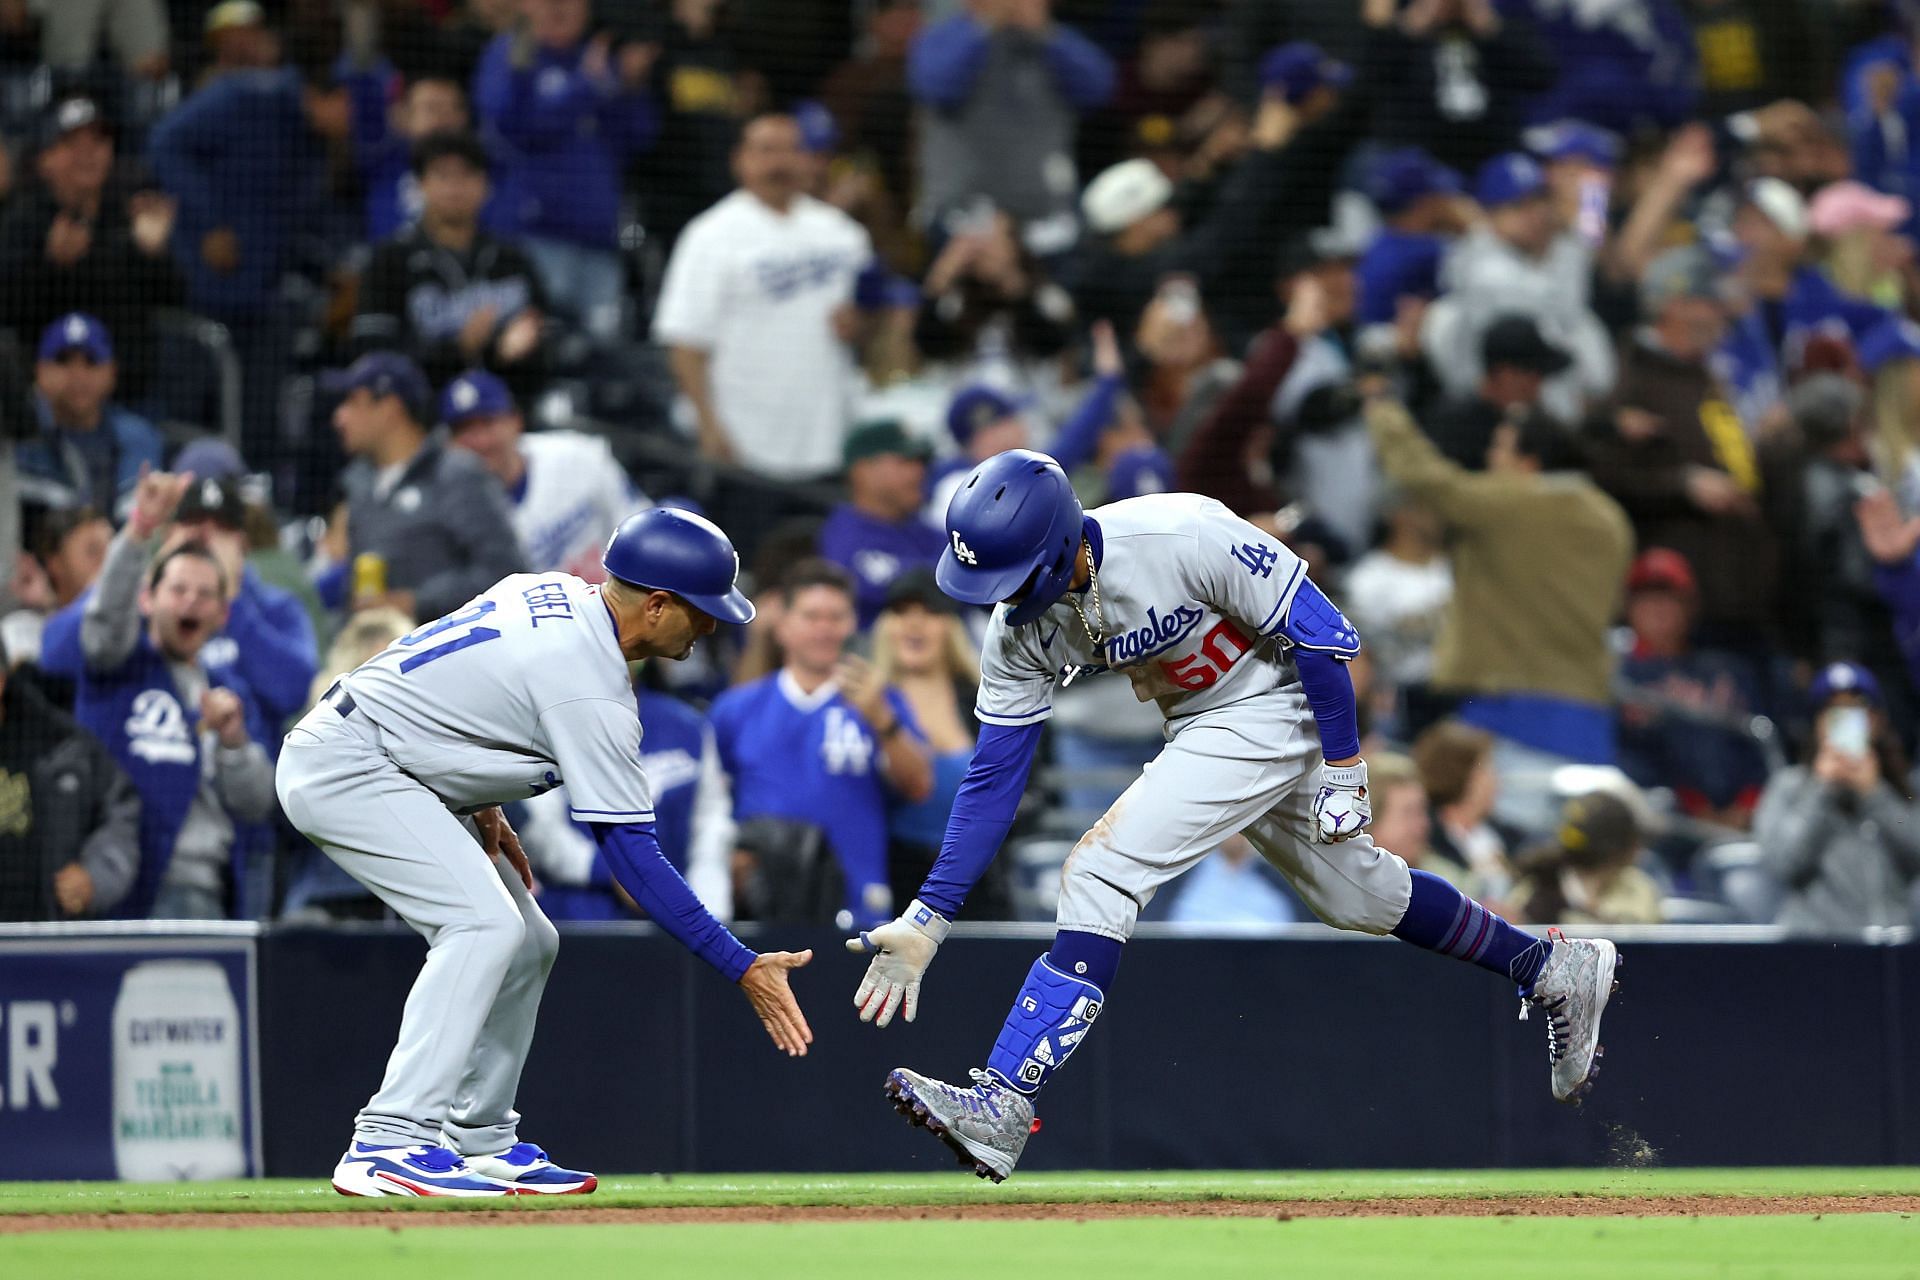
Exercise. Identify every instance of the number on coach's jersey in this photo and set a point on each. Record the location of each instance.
(1220, 648)
(465, 617)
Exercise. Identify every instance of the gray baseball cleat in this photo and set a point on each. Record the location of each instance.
(1572, 990)
(987, 1125)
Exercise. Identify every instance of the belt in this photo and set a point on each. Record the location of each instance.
(339, 699)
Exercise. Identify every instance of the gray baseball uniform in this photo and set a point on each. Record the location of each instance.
(521, 689)
(1189, 605)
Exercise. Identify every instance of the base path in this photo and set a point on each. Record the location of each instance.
(551, 1213)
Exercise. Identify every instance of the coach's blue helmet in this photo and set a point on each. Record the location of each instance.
(1013, 530)
(664, 549)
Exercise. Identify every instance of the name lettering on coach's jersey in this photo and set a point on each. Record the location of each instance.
(547, 601)
(1159, 633)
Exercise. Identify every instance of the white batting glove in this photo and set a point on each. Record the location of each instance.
(901, 950)
(1341, 809)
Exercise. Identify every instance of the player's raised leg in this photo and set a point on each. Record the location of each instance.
(398, 839)
(483, 1125)
(1211, 780)
(1354, 884)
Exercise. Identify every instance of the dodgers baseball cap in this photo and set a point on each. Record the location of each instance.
(210, 458)
(384, 373)
(1300, 67)
(1509, 179)
(1575, 140)
(819, 131)
(474, 394)
(1144, 470)
(1123, 194)
(70, 115)
(215, 499)
(1837, 678)
(979, 406)
(1402, 177)
(77, 331)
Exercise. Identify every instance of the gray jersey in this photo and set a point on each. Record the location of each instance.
(1191, 602)
(523, 688)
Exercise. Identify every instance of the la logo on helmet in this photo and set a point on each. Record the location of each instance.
(962, 551)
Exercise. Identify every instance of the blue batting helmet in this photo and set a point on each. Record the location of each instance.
(1013, 529)
(664, 549)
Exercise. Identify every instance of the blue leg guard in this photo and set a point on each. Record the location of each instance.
(1052, 1015)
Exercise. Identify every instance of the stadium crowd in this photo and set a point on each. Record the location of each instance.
(1573, 345)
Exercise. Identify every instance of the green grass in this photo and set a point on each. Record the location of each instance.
(287, 1195)
(1858, 1247)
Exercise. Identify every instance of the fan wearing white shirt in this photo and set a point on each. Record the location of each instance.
(756, 309)
(568, 491)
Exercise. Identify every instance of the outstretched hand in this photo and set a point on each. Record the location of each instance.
(765, 983)
(498, 836)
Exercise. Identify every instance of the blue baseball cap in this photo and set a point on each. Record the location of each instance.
(1575, 140)
(1508, 179)
(1843, 677)
(385, 373)
(210, 458)
(1889, 341)
(77, 331)
(877, 288)
(978, 406)
(819, 131)
(1401, 177)
(1144, 470)
(474, 394)
(1297, 69)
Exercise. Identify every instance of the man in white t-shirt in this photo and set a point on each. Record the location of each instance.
(755, 309)
(567, 490)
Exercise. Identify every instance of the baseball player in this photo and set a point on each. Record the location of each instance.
(523, 688)
(1220, 625)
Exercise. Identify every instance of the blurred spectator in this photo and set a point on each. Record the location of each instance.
(387, 133)
(988, 302)
(237, 39)
(983, 420)
(754, 310)
(1164, 90)
(246, 158)
(1754, 51)
(65, 548)
(822, 744)
(692, 817)
(1863, 252)
(443, 290)
(1586, 873)
(1889, 358)
(1674, 453)
(1520, 262)
(705, 94)
(1402, 819)
(1539, 554)
(80, 240)
(1625, 66)
(88, 450)
(1891, 538)
(1003, 87)
(433, 515)
(1685, 712)
(468, 30)
(210, 458)
(567, 490)
(69, 818)
(72, 33)
(1398, 594)
(1227, 456)
(1250, 29)
(1419, 200)
(1232, 886)
(877, 533)
(568, 111)
(1452, 76)
(1840, 832)
(267, 636)
(1517, 361)
(868, 94)
(187, 732)
(1455, 764)
(922, 650)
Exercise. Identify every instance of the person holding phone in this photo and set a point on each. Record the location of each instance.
(1841, 831)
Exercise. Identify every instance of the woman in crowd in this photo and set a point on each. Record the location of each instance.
(1586, 873)
(1840, 832)
(1456, 764)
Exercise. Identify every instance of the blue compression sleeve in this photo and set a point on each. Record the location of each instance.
(982, 813)
(1330, 694)
(633, 853)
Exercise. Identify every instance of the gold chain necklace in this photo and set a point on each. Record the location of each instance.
(1096, 634)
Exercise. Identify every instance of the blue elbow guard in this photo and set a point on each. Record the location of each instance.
(1313, 622)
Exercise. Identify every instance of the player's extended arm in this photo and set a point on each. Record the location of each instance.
(633, 853)
(983, 812)
(1323, 642)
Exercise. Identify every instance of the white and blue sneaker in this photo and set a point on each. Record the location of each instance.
(526, 1168)
(372, 1170)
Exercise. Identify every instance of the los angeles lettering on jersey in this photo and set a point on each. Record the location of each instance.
(1160, 632)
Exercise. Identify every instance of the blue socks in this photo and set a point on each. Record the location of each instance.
(1441, 918)
(1059, 1000)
